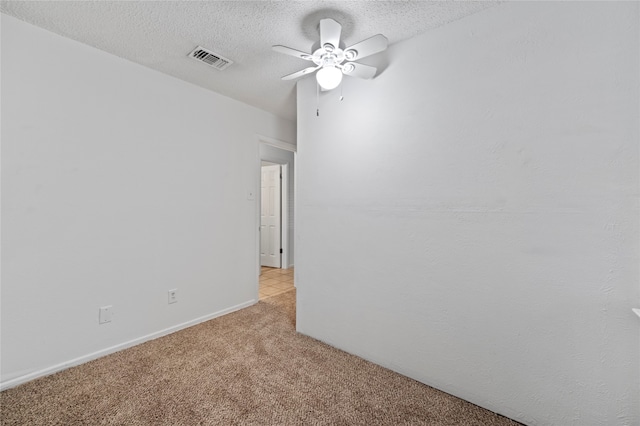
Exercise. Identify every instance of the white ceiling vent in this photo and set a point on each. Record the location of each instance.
(210, 58)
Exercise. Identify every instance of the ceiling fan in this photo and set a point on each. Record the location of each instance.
(333, 61)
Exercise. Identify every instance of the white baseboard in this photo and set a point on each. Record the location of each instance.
(103, 352)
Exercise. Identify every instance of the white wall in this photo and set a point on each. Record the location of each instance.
(281, 156)
(470, 217)
(118, 184)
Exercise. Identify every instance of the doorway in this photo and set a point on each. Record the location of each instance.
(270, 215)
(273, 155)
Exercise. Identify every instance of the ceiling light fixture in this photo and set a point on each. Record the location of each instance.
(330, 59)
(329, 77)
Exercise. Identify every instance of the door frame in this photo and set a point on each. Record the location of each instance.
(284, 211)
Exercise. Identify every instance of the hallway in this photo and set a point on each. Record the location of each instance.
(274, 281)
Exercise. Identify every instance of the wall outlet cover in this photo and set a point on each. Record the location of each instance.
(104, 314)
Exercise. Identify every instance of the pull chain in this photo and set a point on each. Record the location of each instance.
(317, 99)
(341, 97)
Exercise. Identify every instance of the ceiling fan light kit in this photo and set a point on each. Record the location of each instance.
(329, 77)
(332, 61)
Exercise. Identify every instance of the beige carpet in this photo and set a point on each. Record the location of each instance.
(246, 368)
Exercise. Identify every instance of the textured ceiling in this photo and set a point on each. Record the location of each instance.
(160, 35)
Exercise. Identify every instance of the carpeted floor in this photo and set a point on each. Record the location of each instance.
(246, 368)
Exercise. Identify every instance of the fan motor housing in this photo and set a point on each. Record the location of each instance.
(323, 57)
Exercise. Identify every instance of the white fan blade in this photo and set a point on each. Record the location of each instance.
(367, 47)
(301, 73)
(359, 70)
(330, 32)
(293, 52)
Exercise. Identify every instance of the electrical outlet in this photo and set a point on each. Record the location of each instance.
(104, 314)
(173, 296)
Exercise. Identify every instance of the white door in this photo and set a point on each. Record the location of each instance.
(270, 217)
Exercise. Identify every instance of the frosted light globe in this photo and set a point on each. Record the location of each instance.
(329, 77)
